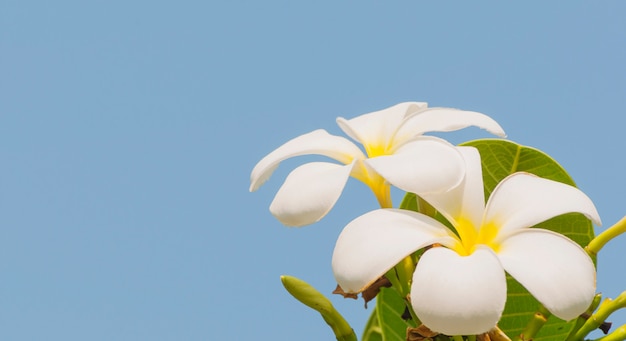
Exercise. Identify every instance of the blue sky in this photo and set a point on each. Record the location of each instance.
(128, 131)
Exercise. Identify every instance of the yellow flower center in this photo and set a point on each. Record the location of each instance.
(374, 181)
(470, 236)
(374, 150)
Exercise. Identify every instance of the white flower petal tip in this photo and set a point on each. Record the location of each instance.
(553, 268)
(379, 125)
(523, 200)
(457, 295)
(317, 142)
(449, 119)
(309, 192)
(375, 242)
(258, 177)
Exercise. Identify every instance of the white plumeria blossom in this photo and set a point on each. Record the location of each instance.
(396, 153)
(459, 285)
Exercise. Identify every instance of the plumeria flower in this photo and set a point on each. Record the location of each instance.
(396, 153)
(459, 284)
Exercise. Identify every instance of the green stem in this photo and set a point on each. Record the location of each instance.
(600, 240)
(309, 296)
(496, 334)
(607, 307)
(580, 321)
(471, 338)
(534, 325)
(618, 334)
(457, 338)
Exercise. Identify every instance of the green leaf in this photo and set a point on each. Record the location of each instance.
(501, 158)
(389, 309)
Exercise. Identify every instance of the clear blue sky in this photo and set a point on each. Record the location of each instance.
(128, 131)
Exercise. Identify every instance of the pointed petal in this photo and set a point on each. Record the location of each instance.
(378, 126)
(445, 119)
(375, 242)
(457, 295)
(427, 164)
(316, 142)
(522, 200)
(553, 268)
(309, 192)
(466, 201)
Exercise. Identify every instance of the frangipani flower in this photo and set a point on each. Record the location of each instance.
(396, 153)
(459, 284)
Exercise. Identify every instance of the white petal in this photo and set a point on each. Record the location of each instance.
(316, 142)
(553, 268)
(375, 242)
(522, 200)
(466, 201)
(445, 119)
(425, 165)
(378, 126)
(309, 192)
(457, 295)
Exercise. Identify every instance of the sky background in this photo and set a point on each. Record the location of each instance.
(128, 130)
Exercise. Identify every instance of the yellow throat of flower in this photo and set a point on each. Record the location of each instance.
(378, 185)
(374, 150)
(470, 236)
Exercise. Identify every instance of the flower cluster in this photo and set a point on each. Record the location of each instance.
(458, 286)
(396, 153)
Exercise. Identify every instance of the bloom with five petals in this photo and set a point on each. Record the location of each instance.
(459, 285)
(396, 153)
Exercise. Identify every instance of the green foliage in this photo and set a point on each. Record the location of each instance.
(390, 307)
(386, 322)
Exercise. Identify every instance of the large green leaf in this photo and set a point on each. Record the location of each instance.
(501, 158)
(389, 309)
